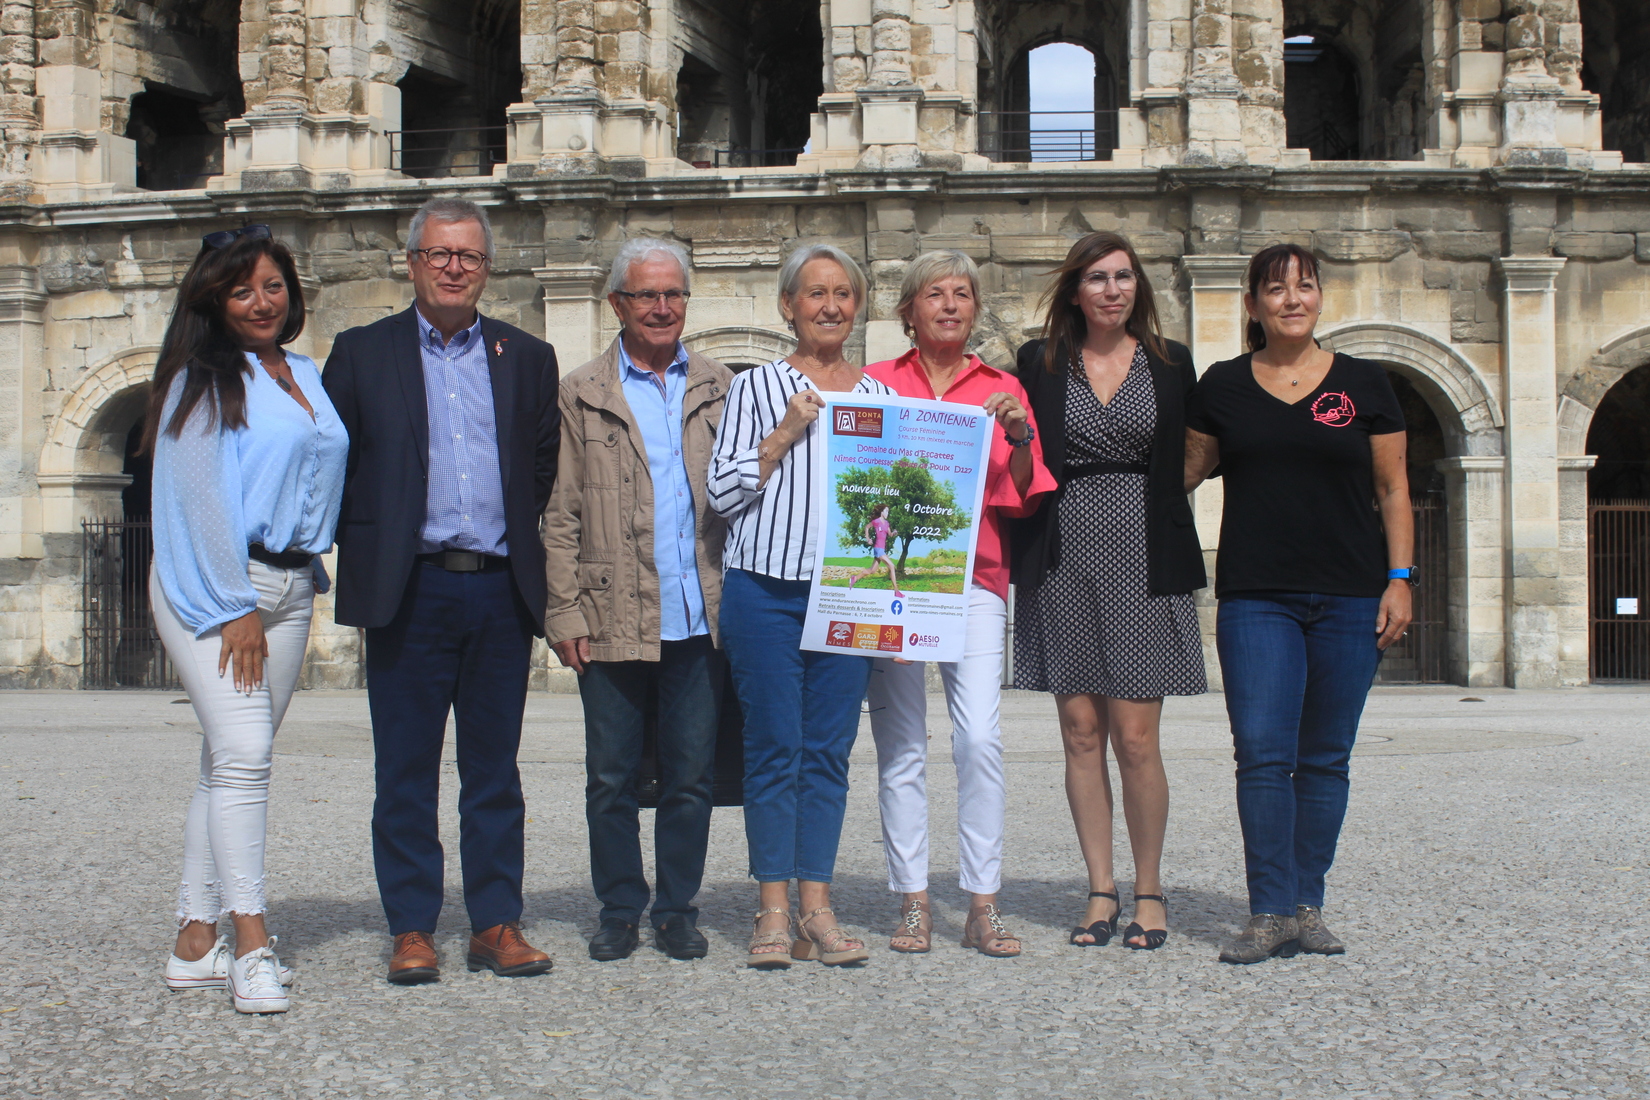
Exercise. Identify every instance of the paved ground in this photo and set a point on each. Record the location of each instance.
(1493, 886)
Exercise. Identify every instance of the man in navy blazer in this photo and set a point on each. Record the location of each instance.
(454, 430)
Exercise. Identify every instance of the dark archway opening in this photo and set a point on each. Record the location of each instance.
(453, 106)
(1615, 64)
(1059, 103)
(1320, 97)
(189, 51)
(1422, 657)
(1355, 79)
(1618, 531)
(785, 79)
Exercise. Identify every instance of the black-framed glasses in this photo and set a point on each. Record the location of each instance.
(468, 258)
(1097, 280)
(223, 238)
(672, 298)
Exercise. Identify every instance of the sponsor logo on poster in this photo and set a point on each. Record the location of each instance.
(880, 638)
(856, 420)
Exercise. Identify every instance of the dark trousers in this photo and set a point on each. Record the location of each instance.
(1297, 669)
(685, 684)
(460, 642)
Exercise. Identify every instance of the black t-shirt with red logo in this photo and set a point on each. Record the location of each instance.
(1300, 510)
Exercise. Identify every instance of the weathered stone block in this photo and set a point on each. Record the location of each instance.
(1458, 245)
(1595, 246)
(1380, 246)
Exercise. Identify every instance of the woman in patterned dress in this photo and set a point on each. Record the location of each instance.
(1106, 567)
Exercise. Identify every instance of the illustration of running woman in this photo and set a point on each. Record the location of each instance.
(877, 533)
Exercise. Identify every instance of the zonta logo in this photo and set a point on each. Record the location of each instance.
(857, 420)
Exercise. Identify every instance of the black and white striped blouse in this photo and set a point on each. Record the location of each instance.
(771, 529)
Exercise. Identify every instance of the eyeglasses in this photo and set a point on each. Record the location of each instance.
(468, 259)
(223, 238)
(672, 298)
(1097, 280)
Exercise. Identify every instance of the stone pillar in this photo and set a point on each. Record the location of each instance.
(1535, 592)
(1473, 486)
(1214, 117)
(1574, 629)
(1161, 100)
(19, 109)
(1257, 59)
(1217, 319)
(890, 100)
(574, 298)
(78, 154)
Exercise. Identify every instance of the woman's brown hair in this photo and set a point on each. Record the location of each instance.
(1271, 265)
(199, 346)
(1063, 321)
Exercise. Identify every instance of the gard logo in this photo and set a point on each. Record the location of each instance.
(872, 636)
(857, 420)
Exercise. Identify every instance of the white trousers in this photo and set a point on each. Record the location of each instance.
(223, 834)
(899, 722)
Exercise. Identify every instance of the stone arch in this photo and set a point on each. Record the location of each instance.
(737, 344)
(1467, 408)
(1587, 387)
(80, 472)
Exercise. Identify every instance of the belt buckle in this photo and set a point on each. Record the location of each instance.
(463, 561)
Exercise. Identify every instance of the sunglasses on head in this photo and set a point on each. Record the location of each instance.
(223, 238)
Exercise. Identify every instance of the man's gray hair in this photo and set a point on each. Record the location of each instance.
(641, 248)
(449, 210)
(790, 276)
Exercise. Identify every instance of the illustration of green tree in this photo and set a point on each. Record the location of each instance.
(915, 497)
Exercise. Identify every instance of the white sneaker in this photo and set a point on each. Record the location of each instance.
(255, 983)
(210, 971)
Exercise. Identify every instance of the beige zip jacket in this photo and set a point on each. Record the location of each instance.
(598, 529)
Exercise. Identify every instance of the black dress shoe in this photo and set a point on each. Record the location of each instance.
(614, 940)
(679, 939)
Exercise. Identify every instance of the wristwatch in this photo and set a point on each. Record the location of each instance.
(1031, 433)
(1411, 574)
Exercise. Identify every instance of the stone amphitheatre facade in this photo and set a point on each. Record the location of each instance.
(1471, 172)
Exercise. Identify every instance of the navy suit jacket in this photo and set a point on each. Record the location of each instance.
(375, 378)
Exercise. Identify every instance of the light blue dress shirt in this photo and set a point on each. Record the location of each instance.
(464, 508)
(658, 413)
(277, 481)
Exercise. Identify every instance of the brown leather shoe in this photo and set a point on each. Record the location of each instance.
(414, 960)
(502, 949)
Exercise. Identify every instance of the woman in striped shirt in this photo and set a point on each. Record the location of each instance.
(801, 708)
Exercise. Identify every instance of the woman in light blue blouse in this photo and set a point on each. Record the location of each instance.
(248, 475)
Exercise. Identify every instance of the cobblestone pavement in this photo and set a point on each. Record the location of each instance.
(1492, 887)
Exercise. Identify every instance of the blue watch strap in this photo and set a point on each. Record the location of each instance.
(1399, 574)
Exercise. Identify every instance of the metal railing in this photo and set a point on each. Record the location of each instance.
(1422, 656)
(465, 151)
(1047, 135)
(1618, 588)
(757, 158)
(120, 647)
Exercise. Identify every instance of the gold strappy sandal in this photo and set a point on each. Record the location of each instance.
(916, 924)
(996, 944)
(771, 950)
(834, 947)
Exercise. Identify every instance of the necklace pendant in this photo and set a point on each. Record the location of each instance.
(282, 382)
(1295, 382)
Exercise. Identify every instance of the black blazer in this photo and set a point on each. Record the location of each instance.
(1172, 551)
(375, 378)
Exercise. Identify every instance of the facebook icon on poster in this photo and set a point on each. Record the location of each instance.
(896, 607)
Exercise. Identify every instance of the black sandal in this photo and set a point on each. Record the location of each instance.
(1101, 930)
(1154, 937)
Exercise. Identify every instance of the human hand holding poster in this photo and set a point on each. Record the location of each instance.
(902, 482)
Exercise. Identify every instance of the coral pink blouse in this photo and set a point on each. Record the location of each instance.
(976, 382)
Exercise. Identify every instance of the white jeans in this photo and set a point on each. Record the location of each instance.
(223, 834)
(899, 722)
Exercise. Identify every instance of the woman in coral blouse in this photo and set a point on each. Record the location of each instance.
(937, 306)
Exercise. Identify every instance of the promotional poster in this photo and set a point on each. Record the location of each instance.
(902, 481)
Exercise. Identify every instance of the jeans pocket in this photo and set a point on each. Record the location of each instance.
(270, 583)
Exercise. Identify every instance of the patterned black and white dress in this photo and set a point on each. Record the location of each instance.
(1093, 625)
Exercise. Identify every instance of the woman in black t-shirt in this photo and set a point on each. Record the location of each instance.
(1313, 583)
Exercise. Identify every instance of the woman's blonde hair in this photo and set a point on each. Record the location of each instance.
(790, 275)
(928, 269)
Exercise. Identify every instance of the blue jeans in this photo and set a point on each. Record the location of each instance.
(460, 642)
(687, 678)
(1297, 669)
(801, 717)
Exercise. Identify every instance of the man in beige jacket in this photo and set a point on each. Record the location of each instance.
(634, 565)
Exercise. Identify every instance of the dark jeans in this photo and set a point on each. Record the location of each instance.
(801, 717)
(686, 680)
(1297, 669)
(459, 642)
